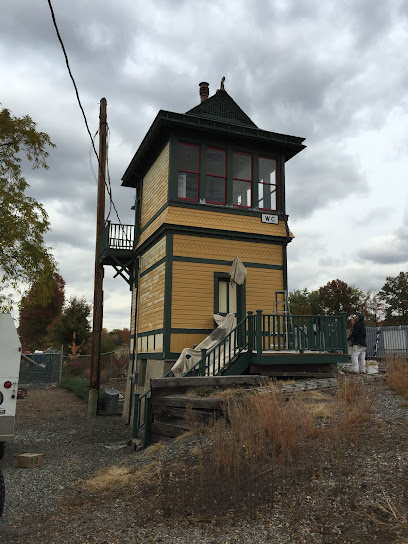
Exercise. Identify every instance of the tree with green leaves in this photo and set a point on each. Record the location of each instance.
(336, 297)
(24, 255)
(304, 302)
(394, 294)
(72, 327)
(36, 317)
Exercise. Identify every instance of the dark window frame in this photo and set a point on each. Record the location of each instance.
(244, 180)
(270, 184)
(216, 176)
(185, 171)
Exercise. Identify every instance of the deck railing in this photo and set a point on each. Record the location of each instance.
(117, 236)
(257, 333)
(302, 332)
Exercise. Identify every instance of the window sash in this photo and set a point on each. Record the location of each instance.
(188, 174)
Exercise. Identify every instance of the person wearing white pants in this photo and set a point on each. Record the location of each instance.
(359, 345)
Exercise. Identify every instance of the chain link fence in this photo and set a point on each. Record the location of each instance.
(45, 368)
(113, 366)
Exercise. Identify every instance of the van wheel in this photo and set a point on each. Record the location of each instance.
(2, 445)
(2, 493)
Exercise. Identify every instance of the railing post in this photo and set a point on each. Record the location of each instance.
(136, 415)
(147, 427)
(203, 362)
(259, 336)
(344, 331)
(250, 332)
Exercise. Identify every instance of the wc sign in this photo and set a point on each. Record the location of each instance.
(268, 218)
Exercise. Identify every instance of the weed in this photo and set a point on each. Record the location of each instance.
(397, 375)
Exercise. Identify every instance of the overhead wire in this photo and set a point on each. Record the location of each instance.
(108, 187)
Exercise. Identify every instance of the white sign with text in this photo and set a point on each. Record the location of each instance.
(268, 218)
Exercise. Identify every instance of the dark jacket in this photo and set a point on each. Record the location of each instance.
(358, 334)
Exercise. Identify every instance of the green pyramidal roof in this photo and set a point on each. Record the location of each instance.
(222, 107)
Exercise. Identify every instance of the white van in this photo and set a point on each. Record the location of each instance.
(10, 358)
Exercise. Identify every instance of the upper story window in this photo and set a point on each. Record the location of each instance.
(215, 187)
(242, 179)
(267, 184)
(188, 171)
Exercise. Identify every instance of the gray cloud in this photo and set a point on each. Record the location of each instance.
(327, 71)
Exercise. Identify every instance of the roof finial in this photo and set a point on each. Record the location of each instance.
(222, 85)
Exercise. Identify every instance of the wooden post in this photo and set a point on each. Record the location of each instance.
(94, 379)
(136, 415)
(203, 362)
(250, 333)
(259, 336)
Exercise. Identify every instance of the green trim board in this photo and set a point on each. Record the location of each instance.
(156, 356)
(172, 188)
(241, 295)
(168, 281)
(152, 267)
(210, 233)
(149, 333)
(225, 263)
(210, 207)
(299, 358)
(155, 216)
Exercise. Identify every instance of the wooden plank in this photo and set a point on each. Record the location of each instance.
(290, 374)
(200, 416)
(204, 381)
(173, 421)
(166, 429)
(155, 438)
(203, 403)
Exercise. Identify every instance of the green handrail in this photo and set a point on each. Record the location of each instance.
(260, 332)
(210, 362)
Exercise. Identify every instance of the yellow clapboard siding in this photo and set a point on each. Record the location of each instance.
(155, 183)
(224, 221)
(215, 220)
(186, 340)
(212, 248)
(193, 295)
(151, 300)
(154, 254)
(261, 285)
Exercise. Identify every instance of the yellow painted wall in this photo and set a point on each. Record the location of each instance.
(192, 304)
(213, 248)
(155, 183)
(193, 283)
(216, 220)
(151, 300)
(153, 255)
(180, 341)
(261, 285)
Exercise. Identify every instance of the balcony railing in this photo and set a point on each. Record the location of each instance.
(117, 237)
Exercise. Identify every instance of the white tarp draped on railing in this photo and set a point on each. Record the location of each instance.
(189, 357)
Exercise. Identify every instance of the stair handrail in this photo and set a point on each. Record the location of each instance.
(202, 366)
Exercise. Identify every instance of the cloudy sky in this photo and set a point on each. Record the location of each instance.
(334, 72)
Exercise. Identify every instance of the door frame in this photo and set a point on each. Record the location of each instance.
(241, 295)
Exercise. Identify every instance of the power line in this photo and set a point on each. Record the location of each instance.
(108, 188)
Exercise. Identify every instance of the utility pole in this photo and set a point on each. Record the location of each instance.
(94, 379)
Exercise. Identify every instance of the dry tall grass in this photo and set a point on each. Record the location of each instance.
(264, 447)
(397, 374)
(264, 439)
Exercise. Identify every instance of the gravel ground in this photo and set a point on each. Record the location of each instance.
(48, 504)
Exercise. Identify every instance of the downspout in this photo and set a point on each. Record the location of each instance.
(138, 201)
